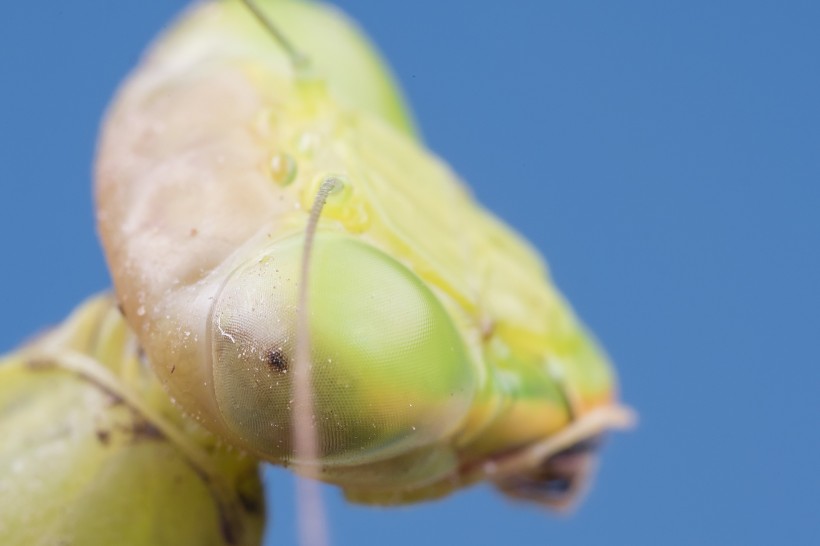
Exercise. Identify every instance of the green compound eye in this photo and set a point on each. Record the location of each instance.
(389, 370)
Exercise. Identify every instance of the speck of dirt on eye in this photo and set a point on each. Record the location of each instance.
(143, 430)
(173, 368)
(277, 361)
(103, 436)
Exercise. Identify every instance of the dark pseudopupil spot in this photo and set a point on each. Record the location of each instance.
(277, 361)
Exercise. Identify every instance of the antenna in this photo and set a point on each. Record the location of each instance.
(312, 521)
(298, 60)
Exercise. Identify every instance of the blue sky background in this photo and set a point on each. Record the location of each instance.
(665, 156)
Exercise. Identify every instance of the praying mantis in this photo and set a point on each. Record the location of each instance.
(311, 287)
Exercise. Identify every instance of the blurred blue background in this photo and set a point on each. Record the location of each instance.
(665, 156)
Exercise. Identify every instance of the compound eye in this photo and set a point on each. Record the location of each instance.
(389, 370)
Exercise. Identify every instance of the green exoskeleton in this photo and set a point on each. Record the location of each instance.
(307, 282)
(92, 450)
(440, 353)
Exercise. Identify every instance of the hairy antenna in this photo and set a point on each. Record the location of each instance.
(298, 60)
(312, 521)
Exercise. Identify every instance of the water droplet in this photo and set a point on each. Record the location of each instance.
(307, 143)
(283, 169)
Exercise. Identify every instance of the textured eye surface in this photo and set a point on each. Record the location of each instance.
(389, 370)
